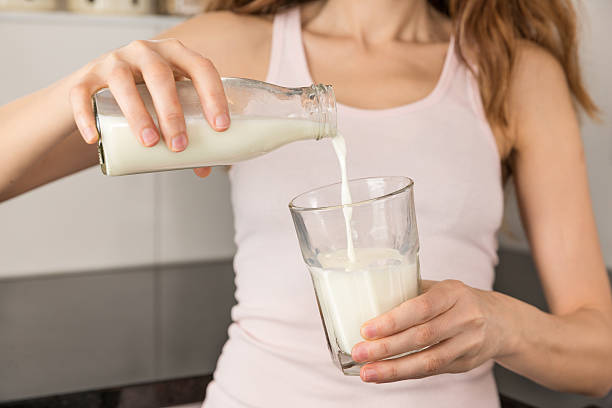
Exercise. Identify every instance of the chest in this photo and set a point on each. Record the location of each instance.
(456, 174)
(375, 77)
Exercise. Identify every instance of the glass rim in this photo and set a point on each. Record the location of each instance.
(409, 183)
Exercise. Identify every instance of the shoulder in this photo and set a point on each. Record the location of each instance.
(536, 68)
(538, 95)
(238, 45)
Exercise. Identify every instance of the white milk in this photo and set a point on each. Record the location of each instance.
(246, 138)
(340, 148)
(352, 292)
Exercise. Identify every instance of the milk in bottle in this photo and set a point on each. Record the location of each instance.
(263, 118)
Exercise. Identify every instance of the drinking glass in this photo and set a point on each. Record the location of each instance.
(384, 271)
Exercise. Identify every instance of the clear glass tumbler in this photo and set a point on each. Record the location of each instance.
(385, 269)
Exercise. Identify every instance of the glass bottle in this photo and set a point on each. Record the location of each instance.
(263, 117)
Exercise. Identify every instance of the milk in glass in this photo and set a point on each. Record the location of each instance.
(351, 292)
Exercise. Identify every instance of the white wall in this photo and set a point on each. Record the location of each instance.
(597, 63)
(89, 221)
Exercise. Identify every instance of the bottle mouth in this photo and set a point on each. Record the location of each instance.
(328, 126)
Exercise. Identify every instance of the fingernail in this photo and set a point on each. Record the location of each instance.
(90, 135)
(368, 332)
(222, 121)
(370, 374)
(149, 136)
(179, 143)
(360, 352)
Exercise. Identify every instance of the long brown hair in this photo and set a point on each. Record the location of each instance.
(494, 28)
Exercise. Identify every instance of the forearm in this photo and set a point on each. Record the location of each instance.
(571, 353)
(30, 128)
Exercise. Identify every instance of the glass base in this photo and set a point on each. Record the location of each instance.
(348, 365)
(353, 368)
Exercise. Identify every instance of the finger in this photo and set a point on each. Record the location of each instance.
(438, 299)
(202, 171)
(205, 79)
(434, 331)
(435, 360)
(159, 78)
(123, 87)
(82, 109)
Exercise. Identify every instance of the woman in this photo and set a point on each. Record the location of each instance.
(449, 101)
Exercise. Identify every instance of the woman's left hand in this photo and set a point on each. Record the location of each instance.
(463, 326)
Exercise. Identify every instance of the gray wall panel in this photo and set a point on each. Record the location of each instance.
(71, 333)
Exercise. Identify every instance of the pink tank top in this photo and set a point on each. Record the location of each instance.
(276, 355)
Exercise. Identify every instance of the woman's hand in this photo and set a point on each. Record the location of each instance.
(463, 326)
(158, 64)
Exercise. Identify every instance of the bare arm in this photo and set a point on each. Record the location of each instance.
(35, 152)
(39, 141)
(569, 349)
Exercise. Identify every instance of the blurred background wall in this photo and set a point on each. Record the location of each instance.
(109, 281)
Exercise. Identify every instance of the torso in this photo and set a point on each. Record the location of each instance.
(435, 133)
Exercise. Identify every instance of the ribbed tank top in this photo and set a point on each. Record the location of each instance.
(276, 355)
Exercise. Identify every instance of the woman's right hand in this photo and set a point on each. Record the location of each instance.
(157, 63)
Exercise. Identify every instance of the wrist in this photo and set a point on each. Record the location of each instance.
(59, 92)
(510, 320)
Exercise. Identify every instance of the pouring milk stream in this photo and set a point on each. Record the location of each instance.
(340, 148)
(356, 285)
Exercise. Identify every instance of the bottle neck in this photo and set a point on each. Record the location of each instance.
(325, 111)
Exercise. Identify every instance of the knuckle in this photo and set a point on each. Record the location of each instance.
(175, 118)
(215, 102)
(454, 284)
(389, 323)
(474, 313)
(478, 320)
(433, 364)
(206, 63)
(384, 348)
(392, 372)
(205, 66)
(120, 70)
(138, 45)
(425, 306)
(424, 335)
(113, 56)
(175, 42)
(216, 95)
(78, 92)
(160, 71)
